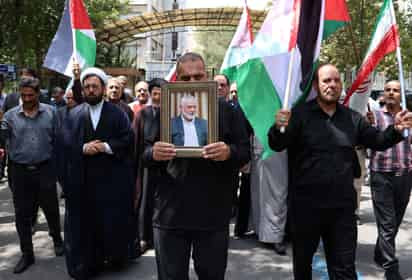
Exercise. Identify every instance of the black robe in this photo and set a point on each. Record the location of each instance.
(98, 189)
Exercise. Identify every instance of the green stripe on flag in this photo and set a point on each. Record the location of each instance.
(331, 26)
(86, 47)
(258, 99)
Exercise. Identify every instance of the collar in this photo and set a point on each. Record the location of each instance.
(314, 106)
(98, 106)
(41, 109)
(385, 111)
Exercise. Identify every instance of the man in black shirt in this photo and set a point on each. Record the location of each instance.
(193, 197)
(321, 137)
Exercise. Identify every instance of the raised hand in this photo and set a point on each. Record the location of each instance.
(403, 120)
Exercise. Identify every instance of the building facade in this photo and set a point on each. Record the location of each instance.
(153, 51)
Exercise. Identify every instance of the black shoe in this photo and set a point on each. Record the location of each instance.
(24, 262)
(393, 275)
(58, 248)
(358, 219)
(145, 245)
(378, 262)
(280, 248)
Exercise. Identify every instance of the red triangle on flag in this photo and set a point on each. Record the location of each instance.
(78, 15)
(336, 10)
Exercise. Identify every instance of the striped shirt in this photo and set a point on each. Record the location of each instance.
(395, 159)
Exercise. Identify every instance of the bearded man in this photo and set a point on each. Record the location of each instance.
(97, 179)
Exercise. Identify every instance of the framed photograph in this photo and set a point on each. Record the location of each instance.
(189, 116)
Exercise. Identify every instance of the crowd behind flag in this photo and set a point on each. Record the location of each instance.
(74, 38)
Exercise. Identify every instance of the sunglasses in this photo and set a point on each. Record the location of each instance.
(233, 91)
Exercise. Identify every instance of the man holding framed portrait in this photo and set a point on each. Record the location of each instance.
(194, 195)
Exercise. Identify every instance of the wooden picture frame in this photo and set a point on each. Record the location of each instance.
(175, 99)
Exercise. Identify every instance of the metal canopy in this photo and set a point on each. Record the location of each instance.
(125, 30)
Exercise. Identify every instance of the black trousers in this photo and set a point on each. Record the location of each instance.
(337, 228)
(242, 219)
(32, 186)
(390, 196)
(174, 248)
(146, 209)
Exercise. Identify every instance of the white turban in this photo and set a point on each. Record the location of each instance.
(93, 71)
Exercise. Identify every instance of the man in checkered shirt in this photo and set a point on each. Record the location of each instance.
(391, 182)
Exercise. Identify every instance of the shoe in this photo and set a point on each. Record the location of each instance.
(280, 248)
(393, 275)
(58, 248)
(358, 219)
(144, 246)
(24, 262)
(378, 262)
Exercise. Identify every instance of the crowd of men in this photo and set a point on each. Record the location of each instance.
(126, 191)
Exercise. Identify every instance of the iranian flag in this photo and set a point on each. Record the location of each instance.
(292, 27)
(385, 40)
(74, 39)
(172, 75)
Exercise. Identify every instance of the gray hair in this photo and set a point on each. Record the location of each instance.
(188, 98)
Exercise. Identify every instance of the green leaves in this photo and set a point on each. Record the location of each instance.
(347, 50)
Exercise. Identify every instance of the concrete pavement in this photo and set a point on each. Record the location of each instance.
(248, 259)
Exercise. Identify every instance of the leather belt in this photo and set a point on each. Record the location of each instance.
(30, 167)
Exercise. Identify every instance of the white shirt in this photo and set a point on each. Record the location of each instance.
(95, 113)
(190, 134)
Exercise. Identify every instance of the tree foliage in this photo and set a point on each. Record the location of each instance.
(348, 46)
(212, 45)
(28, 27)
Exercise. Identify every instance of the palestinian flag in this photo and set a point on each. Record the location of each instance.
(262, 77)
(74, 37)
(238, 51)
(385, 40)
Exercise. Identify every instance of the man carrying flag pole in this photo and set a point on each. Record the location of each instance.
(391, 170)
(74, 41)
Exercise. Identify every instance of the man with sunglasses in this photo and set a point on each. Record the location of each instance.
(391, 177)
(30, 133)
(142, 94)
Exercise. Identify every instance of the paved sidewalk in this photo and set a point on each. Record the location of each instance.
(247, 258)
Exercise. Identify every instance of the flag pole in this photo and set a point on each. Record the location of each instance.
(402, 82)
(74, 46)
(288, 84)
(73, 34)
(400, 67)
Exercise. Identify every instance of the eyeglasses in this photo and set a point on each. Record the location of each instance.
(142, 90)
